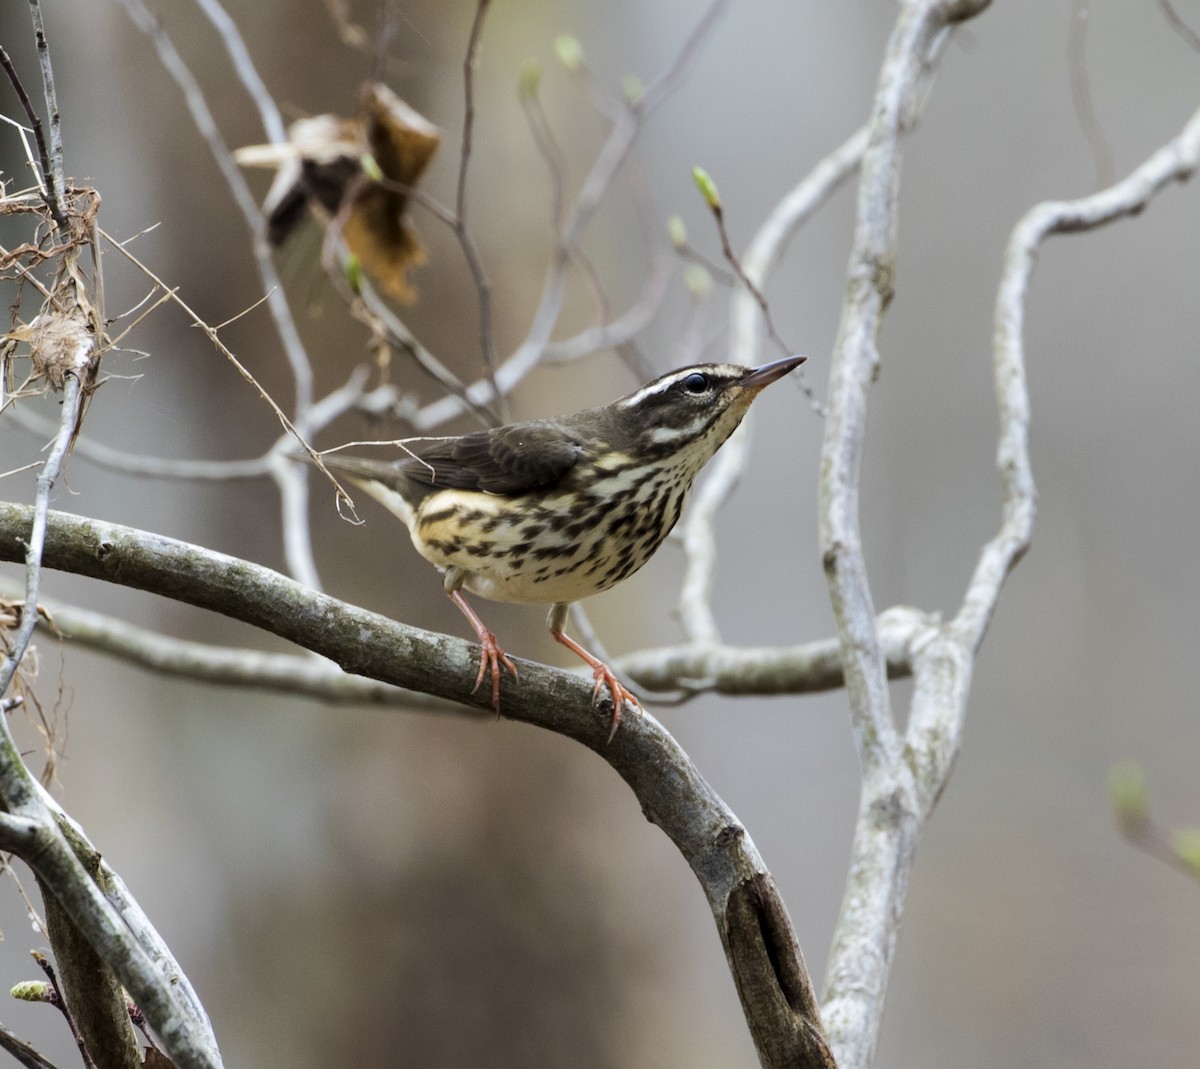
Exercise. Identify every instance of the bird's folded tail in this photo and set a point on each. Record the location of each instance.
(382, 479)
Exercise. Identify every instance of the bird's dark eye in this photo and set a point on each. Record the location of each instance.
(696, 383)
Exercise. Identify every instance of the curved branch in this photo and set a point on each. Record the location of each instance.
(767, 966)
(942, 669)
(1174, 162)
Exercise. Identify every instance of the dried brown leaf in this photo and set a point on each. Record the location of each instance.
(354, 175)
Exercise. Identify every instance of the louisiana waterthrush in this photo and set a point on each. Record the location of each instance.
(555, 510)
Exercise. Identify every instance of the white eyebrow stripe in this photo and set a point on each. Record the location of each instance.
(636, 399)
(657, 386)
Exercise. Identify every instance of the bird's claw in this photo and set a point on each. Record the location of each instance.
(621, 695)
(491, 657)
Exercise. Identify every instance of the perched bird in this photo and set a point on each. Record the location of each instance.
(550, 511)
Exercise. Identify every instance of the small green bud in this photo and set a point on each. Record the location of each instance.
(354, 273)
(707, 187)
(632, 89)
(1187, 847)
(530, 78)
(569, 52)
(677, 231)
(697, 279)
(33, 991)
(371, 167)
(1127, 787)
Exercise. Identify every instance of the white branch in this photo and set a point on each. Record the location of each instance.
(943, 668)
(888, 820)
(901, 790)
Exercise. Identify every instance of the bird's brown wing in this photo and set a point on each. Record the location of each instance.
(514, 459)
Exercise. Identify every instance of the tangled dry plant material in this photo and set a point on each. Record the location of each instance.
(66, 335)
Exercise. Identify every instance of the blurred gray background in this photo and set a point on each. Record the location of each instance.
(356, 887)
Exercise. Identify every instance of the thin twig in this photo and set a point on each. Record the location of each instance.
(72, 401)
(549, 149)
(203, 120)
(60, 1003)
(1179, 26)
(718, 214)
(239, 56)
(153, 466)
(608, 161)
(469, 63)
(667, 82)
(1081, 92)
(474, 261)
(54, 176)
(1174, 162)
(35, 121)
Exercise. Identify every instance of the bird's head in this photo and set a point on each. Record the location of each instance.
(693, 409)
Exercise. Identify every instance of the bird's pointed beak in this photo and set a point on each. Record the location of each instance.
(768, 373)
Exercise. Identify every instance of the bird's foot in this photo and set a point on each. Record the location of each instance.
(621, 695)
(605, 679)
(491, 657)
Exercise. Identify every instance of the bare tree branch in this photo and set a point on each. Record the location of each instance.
(29, 828)
(474, 261)
(808, 668)
(239, 56)
(47, 477)
(768, 969)
(886, 831)
(282, 673)
(203, 119)
(54, 177)
(22, 1051)
(901, 789)
(35, 122)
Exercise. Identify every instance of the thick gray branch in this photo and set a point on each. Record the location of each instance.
(768, 969)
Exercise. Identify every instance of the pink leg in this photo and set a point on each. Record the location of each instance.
(603, 674)
(491, 656)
